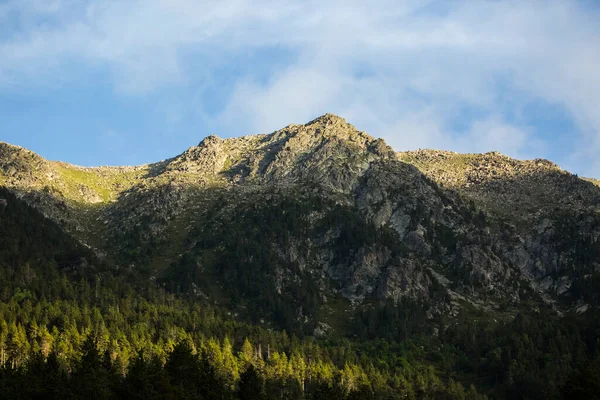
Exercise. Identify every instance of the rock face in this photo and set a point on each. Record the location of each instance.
(550, 216)
(317, 215)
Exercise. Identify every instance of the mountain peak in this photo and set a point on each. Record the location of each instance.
(210, 140)
(332, 124)
(329, 126)
(328, 118)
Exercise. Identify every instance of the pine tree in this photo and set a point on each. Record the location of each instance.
(94, 376)
(246, 354)
(252, 385)
(146, 380)
(183, 369)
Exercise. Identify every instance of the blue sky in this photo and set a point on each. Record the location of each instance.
(113, 82)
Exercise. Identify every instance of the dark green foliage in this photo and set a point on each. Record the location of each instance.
(325, 391)
(145, 380)
(183, 369)
(45, 378)
(242, 262)
(583, 383)
(71, 327)
(35, 251)
(252, 385)
(393, 321)
(191, 377)
(364, 392)
(95, 375)
(577, 253)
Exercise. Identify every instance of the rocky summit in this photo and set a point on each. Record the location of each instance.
(327, 221)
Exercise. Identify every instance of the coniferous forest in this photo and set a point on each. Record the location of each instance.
(300, 200)
(74, 326)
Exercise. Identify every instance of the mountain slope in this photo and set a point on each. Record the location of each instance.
(35, 253)
(319, 220)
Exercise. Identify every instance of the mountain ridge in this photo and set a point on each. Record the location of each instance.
(325, 121)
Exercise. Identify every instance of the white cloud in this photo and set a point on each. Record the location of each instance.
(403, 70)
(496, 134)
(295, 96)
(423, 131)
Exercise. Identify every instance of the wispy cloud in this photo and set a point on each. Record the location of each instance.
(444, 74)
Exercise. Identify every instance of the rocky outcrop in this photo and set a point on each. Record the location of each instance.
(515, 189)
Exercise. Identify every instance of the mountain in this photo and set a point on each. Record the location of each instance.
(325, 231)
(327, 212)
